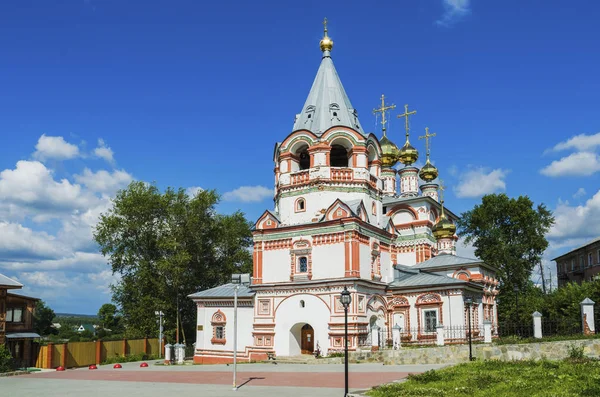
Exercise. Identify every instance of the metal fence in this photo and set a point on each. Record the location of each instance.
(383, 339)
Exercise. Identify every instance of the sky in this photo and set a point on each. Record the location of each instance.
(194, 94)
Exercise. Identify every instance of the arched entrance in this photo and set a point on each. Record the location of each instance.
(307, 337)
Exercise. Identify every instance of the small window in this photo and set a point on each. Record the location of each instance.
(14, 315)
(9, 316)
(300, 205)
(304, 159)
(572, 264)
(340, 213)
(302, 304)
(590, 259)
(430, 320)
(219, 333)
(302, 265)
(269, 223)
(335, 114)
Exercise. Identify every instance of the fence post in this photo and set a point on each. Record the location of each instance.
(440, 335)
(537, 324)
(63, 358)
(145, 345)
(168, 352)
(49, 352)
(587, 317)
(396, 336)
(98, 351)
(124, 347)
(487, 331)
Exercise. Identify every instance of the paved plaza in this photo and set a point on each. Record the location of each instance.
(290, 380)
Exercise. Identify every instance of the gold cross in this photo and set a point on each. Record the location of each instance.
(325, 26)
(427, 136)
(442, 188)
(382, 110)
(406, 114)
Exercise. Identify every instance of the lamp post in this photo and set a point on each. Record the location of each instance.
(237, 280)
(160, 315)
(346, 299)
(469, 303)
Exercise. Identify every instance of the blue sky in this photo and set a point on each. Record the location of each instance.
(96, 93)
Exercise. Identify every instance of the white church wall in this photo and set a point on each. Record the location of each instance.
(365, 261)
(276, 266)
(456, 315)
(406, 258)
(387, 272)
(328, 261)
(201, 320)
(245, 320)
(290, 317)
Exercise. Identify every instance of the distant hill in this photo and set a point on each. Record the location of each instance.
(71, 315)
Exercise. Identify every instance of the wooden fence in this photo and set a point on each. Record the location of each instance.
(82, 354)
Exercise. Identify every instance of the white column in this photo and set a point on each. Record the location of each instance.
(396, 336)
(440, 335)
(168, 353)
(587, 316)
(537, 325)
(487, 331)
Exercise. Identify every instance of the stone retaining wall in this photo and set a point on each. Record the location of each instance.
(453, 354)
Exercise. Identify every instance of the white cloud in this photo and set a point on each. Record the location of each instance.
(576, 223)
(248, 194)
(579, 193)
(454, 10)
(193, 190)
(465, 250)
(81, 262)
(575, 164)
(479, 182)
(31, 187)
(103, 181)
(104, 152)
(580, 142)
(18, 242)
(55, 147)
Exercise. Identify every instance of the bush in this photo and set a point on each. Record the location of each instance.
(129, 358)
(576, 352)
(7, 363)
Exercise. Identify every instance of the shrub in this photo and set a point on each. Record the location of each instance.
(6, 361)
(576, 352)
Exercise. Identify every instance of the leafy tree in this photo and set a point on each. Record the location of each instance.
(509, 234)
(165, 246)
(7, 363)
(109, 317)
(43, 317)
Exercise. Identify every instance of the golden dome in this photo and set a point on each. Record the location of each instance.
(408, 154)
(326, 44)
(428, 173)
(443, 228)
(389, 151)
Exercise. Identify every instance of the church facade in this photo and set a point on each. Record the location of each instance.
(346, 216)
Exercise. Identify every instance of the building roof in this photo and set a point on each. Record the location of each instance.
(9, 282)
(445, 260)
(405, 276)
(22, 335)
(20, 295)
(387, 201)
(578, 248)
(88, 327)
(223, 291)
(327, 104)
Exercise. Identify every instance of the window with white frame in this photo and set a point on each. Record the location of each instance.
(302, 264)
(430, 320)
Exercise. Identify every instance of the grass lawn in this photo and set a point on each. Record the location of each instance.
(571, 377)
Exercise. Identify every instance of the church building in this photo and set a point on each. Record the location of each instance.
(351, 211)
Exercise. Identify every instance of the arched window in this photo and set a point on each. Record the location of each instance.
(304, 158)
(218, 323)
(300, 205)
(339, 156)
(302, 264)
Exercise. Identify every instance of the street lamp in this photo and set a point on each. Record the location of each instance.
(237, 280)
(346, 299)
(160, 315)
(469, 303)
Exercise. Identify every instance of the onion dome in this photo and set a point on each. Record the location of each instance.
(408, 154)
(389, 151)
(443, 228)
(428, 173)
(326, 43)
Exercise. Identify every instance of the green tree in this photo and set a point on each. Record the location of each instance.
(165, 246)
(43, 317)
(509, 234)
(109, 317)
